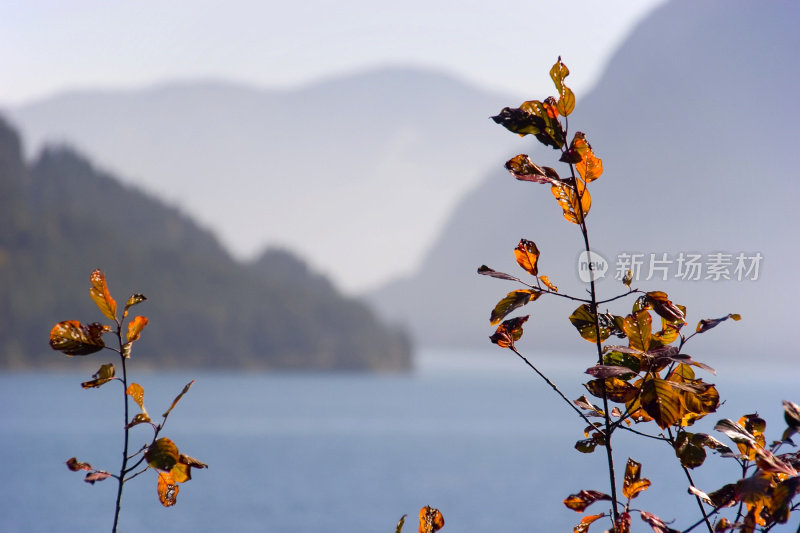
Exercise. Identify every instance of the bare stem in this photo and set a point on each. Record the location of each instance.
(691, 482)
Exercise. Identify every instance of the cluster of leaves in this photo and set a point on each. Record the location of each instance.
(73, 338)
(650, 378)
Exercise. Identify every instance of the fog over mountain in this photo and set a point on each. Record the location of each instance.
(356, 174)
(695, 120)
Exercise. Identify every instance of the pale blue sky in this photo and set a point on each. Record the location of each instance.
(53, 45)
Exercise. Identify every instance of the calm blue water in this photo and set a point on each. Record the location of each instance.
(484, 440)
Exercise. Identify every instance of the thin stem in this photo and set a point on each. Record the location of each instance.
(715, 511)
(581, 216)
(691, 482)
(640, 433)
(553, 386)
(123, 468)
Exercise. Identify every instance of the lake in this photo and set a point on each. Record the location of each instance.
(477, 435)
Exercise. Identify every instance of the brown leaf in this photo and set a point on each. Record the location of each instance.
(509, 332)
(140, 418)
(661, 401)
(167, 489)
(93, 477)
(527, 255)
(608, 371)
(512, 301)
(73, 338)
(638, 328)
(400, 523)
(656, 523)
(580, 501)
(633, 483)
(486, 271)
(430, 520)
(101, 296)
(178, 398)
(616, 390)
(75, 465)
(523, 169)
(708, 323)
(104, 375)
(135, 328)
(162, 454)
(664, 307)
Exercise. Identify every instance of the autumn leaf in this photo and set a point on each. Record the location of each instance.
(656, 523)
(182, 471)
(585, 522)
(75, 465)
(400, 523)
(133, 300)
(523, 169)
(73, 338)
(484, 270)
(580, 501)
(574, 199)
(661, 401)
(633, 483)
(580, 153)
(167, 489)
(136, 392)
(638, 329)
(566, 98)
(178, 398)
(584, 321)
(93, 477)
(162, 454)
(664, 307)
(548, 284)
(527, 255)
(512, 301)
(135, 328)
(534, 118)
(430, 520)
(615, 389)
(708, 323)
(104, 375)
(101, 296)
(509, 332)
(608, 371)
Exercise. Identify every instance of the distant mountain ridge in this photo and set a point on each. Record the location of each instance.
(696, 127)
(332, 170)
(60, 218)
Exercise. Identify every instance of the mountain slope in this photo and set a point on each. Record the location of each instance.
(205, 309)
(334, 171)
(696, 129)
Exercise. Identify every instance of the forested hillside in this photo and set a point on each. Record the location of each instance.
(60, 218)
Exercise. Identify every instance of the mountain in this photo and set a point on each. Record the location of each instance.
(696, 128)
(355, 173)
(62, 217)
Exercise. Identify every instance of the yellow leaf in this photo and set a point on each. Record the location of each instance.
(104, 375)
(638, 328)
(101, 296)
(546, 281)
(136, 392)
(162, 455)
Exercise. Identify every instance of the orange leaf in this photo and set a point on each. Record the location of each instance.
(527, 254)
(101, 296)
(566, 98)
(73, 338)
(430, 520)
(580, 501)
(548, 284)
(178, 398)
(135, 328)
(136, 392)
(586, 521)
(167, 489)
(574, 204)
(590, 167)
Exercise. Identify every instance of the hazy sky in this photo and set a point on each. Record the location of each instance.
(52, 45)
(49, 46)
